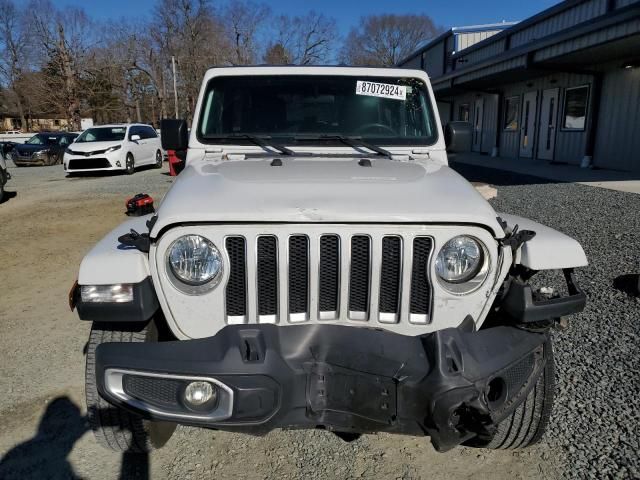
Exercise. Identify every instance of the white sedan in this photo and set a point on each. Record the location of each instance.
(114, 147)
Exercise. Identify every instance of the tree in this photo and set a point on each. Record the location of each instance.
(383, 40)
(303, 40)
(65, 38)
(14, 55)
(244, 21)
(189, 31)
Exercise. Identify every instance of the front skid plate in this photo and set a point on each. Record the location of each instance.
(348, 379)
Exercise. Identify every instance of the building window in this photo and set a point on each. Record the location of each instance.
(511, 112)
(463, 112)
(575, 108)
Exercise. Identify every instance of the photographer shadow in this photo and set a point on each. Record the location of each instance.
(46, 454)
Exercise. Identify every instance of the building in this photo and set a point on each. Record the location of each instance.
(36, 122)
(561, 86)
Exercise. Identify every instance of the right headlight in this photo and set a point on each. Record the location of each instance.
(462, 264)
(194, 264)
(113, 149)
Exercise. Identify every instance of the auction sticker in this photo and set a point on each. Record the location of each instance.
(382, 90)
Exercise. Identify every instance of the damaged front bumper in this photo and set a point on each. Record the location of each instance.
(451, 385)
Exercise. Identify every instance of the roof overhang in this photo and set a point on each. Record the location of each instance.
(609, 37)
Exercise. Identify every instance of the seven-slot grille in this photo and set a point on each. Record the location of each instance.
(329, 277)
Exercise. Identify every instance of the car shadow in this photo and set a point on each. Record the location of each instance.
(108, 173)
(8, 196)
(46, 454)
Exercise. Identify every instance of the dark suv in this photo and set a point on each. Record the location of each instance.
(42, 149)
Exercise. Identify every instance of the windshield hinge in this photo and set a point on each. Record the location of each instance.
(420, 154)
(213, 154)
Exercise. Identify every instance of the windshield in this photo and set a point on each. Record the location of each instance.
(103, 134)
(380, 110)
(42, 140)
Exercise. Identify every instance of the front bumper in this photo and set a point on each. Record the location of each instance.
(451, 385)
(26, 161)
(94, 163)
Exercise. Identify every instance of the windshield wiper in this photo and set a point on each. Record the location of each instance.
(263, 141)
(353, 142)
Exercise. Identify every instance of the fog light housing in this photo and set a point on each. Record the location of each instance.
(200, 395)
(118, 164)
(119, 293)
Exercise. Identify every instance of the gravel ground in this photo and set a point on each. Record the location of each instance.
(52, 221)
(597, 412)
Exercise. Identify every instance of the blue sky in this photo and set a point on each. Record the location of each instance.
(446, 13)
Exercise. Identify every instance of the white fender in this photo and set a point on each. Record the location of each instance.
(109, 262)
(549, 249)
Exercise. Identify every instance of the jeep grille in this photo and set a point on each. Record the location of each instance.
(343, 272)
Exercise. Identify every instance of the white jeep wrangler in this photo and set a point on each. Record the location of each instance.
(318, 265)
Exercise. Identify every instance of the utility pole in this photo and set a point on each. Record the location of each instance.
(175, 88)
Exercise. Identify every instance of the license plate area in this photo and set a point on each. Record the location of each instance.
(350, 399)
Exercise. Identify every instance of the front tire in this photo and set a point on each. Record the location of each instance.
(158, 163)
(130, 165)
(529, 421)
(113, 427)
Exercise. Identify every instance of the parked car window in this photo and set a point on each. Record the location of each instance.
(134, 131)
(511, 113)
(42, 139)
(65, 140)
(102, 134)
(149, 132)
(293, 107)
(575, 108)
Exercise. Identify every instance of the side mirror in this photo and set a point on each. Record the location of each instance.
(457, 137)
(134, 138)
(174, 134)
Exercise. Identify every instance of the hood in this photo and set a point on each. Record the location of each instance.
(93, 146)
(323, 190)
(25, 148)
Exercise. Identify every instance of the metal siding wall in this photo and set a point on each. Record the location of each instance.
(617, 138)
(490, 123)
(613, 32)
(444, 110)
(488, 51)
(624, 3)
(568, 18)
(413, 63)
(493, 69)
(434, 60)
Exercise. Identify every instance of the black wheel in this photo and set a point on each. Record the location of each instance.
(529, 421)
(130, 164)
(53, 159)
(159, 159)
(113, 427)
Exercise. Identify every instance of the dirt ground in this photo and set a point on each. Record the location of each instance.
(44, 232)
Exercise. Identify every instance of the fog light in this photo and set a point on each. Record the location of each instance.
(118, 164)
(198, 394)
(120, 293)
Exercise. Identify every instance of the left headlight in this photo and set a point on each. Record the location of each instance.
(461, 264)
(113, 149)
(194, 264)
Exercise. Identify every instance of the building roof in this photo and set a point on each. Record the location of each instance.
(426, 44)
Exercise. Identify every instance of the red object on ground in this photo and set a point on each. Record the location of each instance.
(141, 204)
